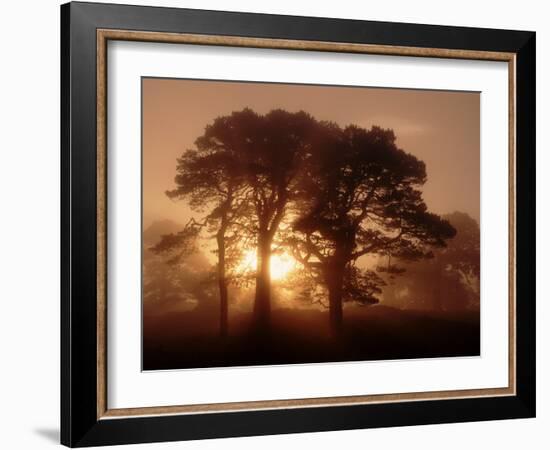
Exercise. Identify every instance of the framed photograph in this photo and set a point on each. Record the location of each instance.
(276, 224)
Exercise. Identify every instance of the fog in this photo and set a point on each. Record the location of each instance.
(205, 302)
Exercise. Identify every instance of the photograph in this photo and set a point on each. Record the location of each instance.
(298, 224)
(277, 224)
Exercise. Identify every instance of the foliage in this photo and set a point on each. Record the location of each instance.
(330, 195)
(362, 196)
(448, 281)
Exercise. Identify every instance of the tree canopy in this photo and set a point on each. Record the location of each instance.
(343, 192)
(362, 196)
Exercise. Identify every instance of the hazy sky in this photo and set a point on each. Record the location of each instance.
(439, 127)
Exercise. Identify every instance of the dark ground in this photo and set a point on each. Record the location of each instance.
(189, 340)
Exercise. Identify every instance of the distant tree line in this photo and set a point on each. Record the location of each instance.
(326, 194)
(448, 282)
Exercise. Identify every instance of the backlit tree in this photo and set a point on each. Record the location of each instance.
(361, 196)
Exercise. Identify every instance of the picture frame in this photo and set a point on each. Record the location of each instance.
(86, 418)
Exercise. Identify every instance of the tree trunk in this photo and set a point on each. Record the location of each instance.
(222, 284)
(335, 280)
(262, 300)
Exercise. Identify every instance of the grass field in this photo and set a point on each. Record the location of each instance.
(190, 339)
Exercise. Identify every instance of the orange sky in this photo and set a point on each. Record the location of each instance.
(439, 127)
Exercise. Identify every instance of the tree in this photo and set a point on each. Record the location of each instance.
(189, 283)
(361, 196)
(274, 167)
(448, 281)
(462, 255)
(172, 284)
(359, 285)
(212, 178)
(270, 150)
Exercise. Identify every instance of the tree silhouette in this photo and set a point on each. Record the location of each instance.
(450, 280)
(462, 255)
(359, 285)
(460, 264)
(212, 179)
(169, 286)
(172, 283)
(274, 166)
(361, 196)
(269, 149)
(348, 193)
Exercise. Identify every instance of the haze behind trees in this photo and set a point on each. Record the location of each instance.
(344, 193)
(290, 205)
(441, 128)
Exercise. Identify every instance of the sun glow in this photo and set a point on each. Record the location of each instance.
(280, 264)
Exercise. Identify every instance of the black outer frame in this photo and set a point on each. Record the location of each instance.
(79, 423)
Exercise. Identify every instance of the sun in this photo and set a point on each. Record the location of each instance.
(281, 264)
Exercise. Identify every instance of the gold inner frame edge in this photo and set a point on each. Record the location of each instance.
(103, 36)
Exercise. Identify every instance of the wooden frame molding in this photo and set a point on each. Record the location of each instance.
(103, 36)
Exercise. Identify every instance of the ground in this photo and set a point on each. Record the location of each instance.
(189, 339)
